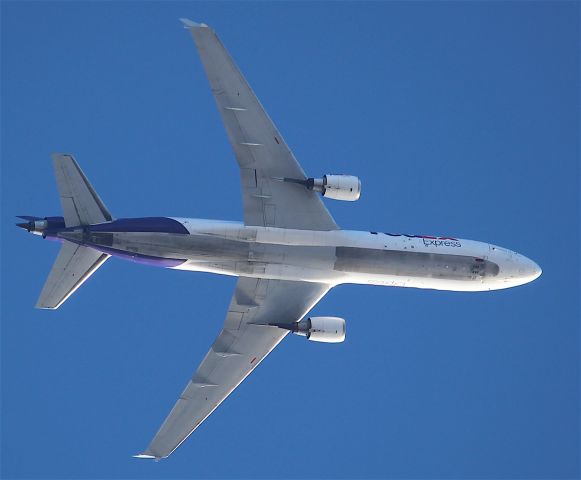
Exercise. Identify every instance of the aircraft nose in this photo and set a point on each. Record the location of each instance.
(516, 269)
(533, 271)
(528, 270)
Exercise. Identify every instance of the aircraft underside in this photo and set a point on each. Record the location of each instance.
(332, 257)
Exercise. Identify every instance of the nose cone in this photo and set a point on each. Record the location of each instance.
(526, 270)
(532, 270)
(514, 269)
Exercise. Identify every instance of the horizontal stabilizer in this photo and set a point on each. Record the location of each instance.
(73, 266)
(80, 202)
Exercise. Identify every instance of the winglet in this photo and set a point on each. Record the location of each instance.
(191, 24)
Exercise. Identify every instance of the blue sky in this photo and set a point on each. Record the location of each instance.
(461, 119)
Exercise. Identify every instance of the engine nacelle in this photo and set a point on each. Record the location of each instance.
(326, 329)
(341, 187)
(318, 329)
(338, 187)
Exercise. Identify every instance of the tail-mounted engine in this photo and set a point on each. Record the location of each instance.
(338, 187)
(40, 226)
(318, 329)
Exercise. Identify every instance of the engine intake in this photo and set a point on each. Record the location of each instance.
(318, 329)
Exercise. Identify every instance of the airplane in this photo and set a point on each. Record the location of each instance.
(287, 254)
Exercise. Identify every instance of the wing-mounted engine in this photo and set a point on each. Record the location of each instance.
(338, 187)
(318, 329)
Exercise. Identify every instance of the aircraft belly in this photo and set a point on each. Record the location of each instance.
(321, 263)
(211, 253)
(410, 266)
(187, 247)
(275, 262)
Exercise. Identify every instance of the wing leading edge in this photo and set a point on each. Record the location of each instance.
(261, 152)
(242, 344)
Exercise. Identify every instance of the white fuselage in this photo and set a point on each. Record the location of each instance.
(331, 257)
(372, 258)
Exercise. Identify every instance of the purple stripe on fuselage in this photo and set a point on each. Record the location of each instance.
(53, 238)
(144, 224)
(139, 258)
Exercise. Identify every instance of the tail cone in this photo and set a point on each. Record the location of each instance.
(34, 225)
(28, 226)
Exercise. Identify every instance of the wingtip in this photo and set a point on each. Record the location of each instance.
(145, 455)
(44, 307)
(60, 155)
(191, 24)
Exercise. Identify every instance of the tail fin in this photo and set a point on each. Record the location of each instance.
(81, 204)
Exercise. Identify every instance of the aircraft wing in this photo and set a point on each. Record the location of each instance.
(261, 152)
(241, 345)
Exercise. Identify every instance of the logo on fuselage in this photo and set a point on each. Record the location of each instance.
(441, 242)
(430, 241)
